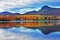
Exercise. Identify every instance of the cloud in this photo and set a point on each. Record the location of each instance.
(23, 10)
(6, 5)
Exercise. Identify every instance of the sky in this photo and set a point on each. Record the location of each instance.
(22, 6)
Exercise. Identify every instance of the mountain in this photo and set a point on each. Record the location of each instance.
(31, 12)
(9, 13)
(49, 11)
(6, 13)
(46, 10)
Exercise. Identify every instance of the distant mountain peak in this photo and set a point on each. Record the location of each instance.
(5, 12)
(45, 6)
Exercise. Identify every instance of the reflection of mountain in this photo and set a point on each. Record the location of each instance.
(25, 34)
